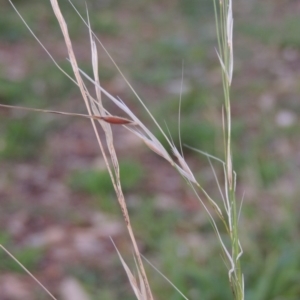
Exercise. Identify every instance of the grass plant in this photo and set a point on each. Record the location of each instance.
(228, 211)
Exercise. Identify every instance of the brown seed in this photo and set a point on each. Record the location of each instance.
(116, 120)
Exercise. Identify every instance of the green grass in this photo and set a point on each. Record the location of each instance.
(98, 183)
(93, 280)
(22, 138)
(105, 23)
(30, 257)
(153, 232)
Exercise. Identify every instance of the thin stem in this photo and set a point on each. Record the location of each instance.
(224, 22)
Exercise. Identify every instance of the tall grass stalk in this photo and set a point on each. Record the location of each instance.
(142, 289)
(224, 28)
(229, 213)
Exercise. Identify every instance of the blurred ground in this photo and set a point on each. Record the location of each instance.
(58, 208)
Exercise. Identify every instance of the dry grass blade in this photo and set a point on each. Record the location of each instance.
(223, 66)
(185, 169)
(109, 119)
(121, 73)
(108, 134)
(27, 271)
(140, 293)
(229, 40)
(41, 44)
(166, 278)
(115, 180)
(215, 227)
(150, 140)
(152, 143)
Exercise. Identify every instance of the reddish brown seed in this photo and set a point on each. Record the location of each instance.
(116, 120)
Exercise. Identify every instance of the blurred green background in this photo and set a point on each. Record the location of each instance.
(58, 208)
